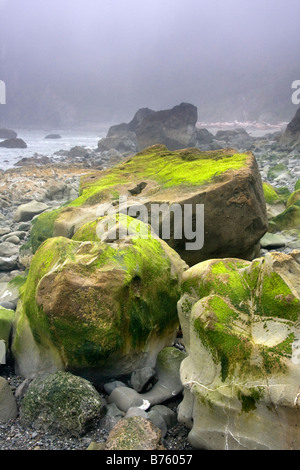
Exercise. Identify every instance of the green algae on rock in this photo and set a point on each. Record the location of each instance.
(240, 326)
(288, 219)
(226, 182)
(270, 194)
(6, 324)
(95, 308)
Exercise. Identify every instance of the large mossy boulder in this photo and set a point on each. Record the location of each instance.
(225, 182)
(240, 323)
(61, 403)
(97, 309)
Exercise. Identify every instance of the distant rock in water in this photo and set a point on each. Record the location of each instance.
(291, 136)
(13, 144)
(7, 134)
(53, 136)
(174, 128)
(33, 161)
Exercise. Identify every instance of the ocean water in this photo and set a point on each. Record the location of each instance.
(36, 143)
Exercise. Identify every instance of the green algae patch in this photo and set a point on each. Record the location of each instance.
(270, 194)
(6, 322)
(187, 168)
(42, 228)
(88, 232)
(294, 197)
(250, 399)
(218, 334)
(123, 225)
(276, 298)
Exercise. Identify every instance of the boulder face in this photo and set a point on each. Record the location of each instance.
(174, 128)
(225, 182)
(291, 136)
(240, 324)
(97, 309)
(61, 403)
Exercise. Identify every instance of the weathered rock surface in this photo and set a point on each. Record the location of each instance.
(240, 323)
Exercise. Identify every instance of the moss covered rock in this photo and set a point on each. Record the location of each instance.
(294, 197)
(6, 322)
(240, 323)
(98, 309)
(289, 218)
(227, 183)
(60, 403)
(270, 194)
(134, 433)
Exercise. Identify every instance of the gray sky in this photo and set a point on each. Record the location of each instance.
(101, 60)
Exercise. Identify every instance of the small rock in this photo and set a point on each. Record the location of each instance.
(8, 406)
(125, 398)
(158, 421)
(26, 212)
(167, 414)
(140, 378)
(271, 240)
(112, 415)
(13, 144)
(110, 386)
(14, 240)
(134, 433)
(136, 411)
